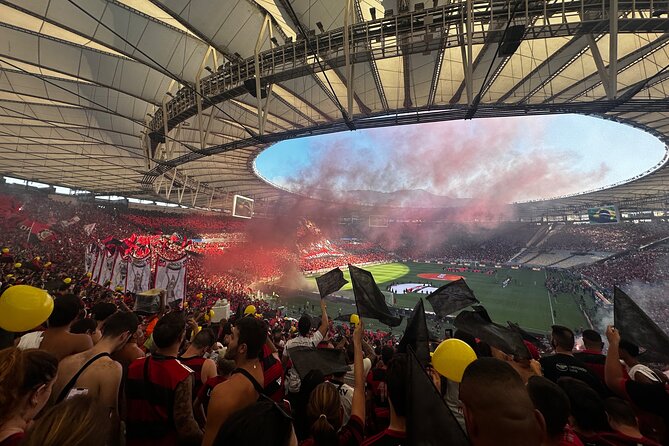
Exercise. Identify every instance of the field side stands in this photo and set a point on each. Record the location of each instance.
(537, 235)
(552, 230)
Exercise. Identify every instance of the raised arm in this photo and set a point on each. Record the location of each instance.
(613, 373)
(358, 403)
(325, 323)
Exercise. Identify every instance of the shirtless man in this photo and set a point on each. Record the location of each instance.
(246, 382)
(101, 378)
(57, 339)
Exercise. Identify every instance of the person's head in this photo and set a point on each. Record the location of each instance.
(170, 330)
(26, 380)
(325, 414)
(120, 327)
(248, 336)
(396, 382)
(549, 399)
(241, 428)
(628, 351)
(304, 325)
(226, 333)
(102, 310)
(592, 340)
(562, 338)
(587, 408)
(87, 326)
(620, 414)
(78, 421)
(204, 340)
(497, 407)
(65, 311)
(224, 367)
(387, 353)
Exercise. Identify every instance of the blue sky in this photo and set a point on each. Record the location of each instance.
(528, 157)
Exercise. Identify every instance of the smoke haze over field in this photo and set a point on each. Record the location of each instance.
(482, 162)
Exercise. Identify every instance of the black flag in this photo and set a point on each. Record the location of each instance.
(429, 420)
(328, 361)
(636, 326)
(417, 335)
(525, 335)
(449, 298)
(369, 299)
(240, 312)
(495, 335)
(330, 282)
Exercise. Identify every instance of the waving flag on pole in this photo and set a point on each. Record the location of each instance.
(453, 296)
(416, 335)
(369, 299)
(637, 327)
(330, 282)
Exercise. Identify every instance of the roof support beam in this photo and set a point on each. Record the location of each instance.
(262, 112)
(612, 90)
(599, 62)
(349, 19)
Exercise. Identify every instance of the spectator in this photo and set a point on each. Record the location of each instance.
(637, 371)
(79, 421)
(87, 326)
(130, 351)
(245, 385)
(93, 371)
(396, 379)
(26, 382)
(159, 391)
(549, 399)
(101, 311)
(194, 358)
(588, 416)
(592, 356)
(563, 362)
(625, 425)
(325, 413)
(241, 429)
(303, 340)
(497, 408)
(57, 339)
(224, 368)
(650, 397)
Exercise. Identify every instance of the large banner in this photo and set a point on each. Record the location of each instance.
(120, 273)
(107, 267)
(138, 277)
(171, 277)
(98, 260)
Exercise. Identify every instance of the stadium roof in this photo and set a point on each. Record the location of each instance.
(86, 85)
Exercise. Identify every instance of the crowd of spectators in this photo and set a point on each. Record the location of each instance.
(647, 266)
(95, 363)
(605, 238)
(242, 386)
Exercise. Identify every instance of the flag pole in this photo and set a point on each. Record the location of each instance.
(30, 231)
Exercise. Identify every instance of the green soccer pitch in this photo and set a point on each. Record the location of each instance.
(524, 300)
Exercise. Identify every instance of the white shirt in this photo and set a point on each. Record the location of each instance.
(293, 382)
(644, 370)
(303, 341)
